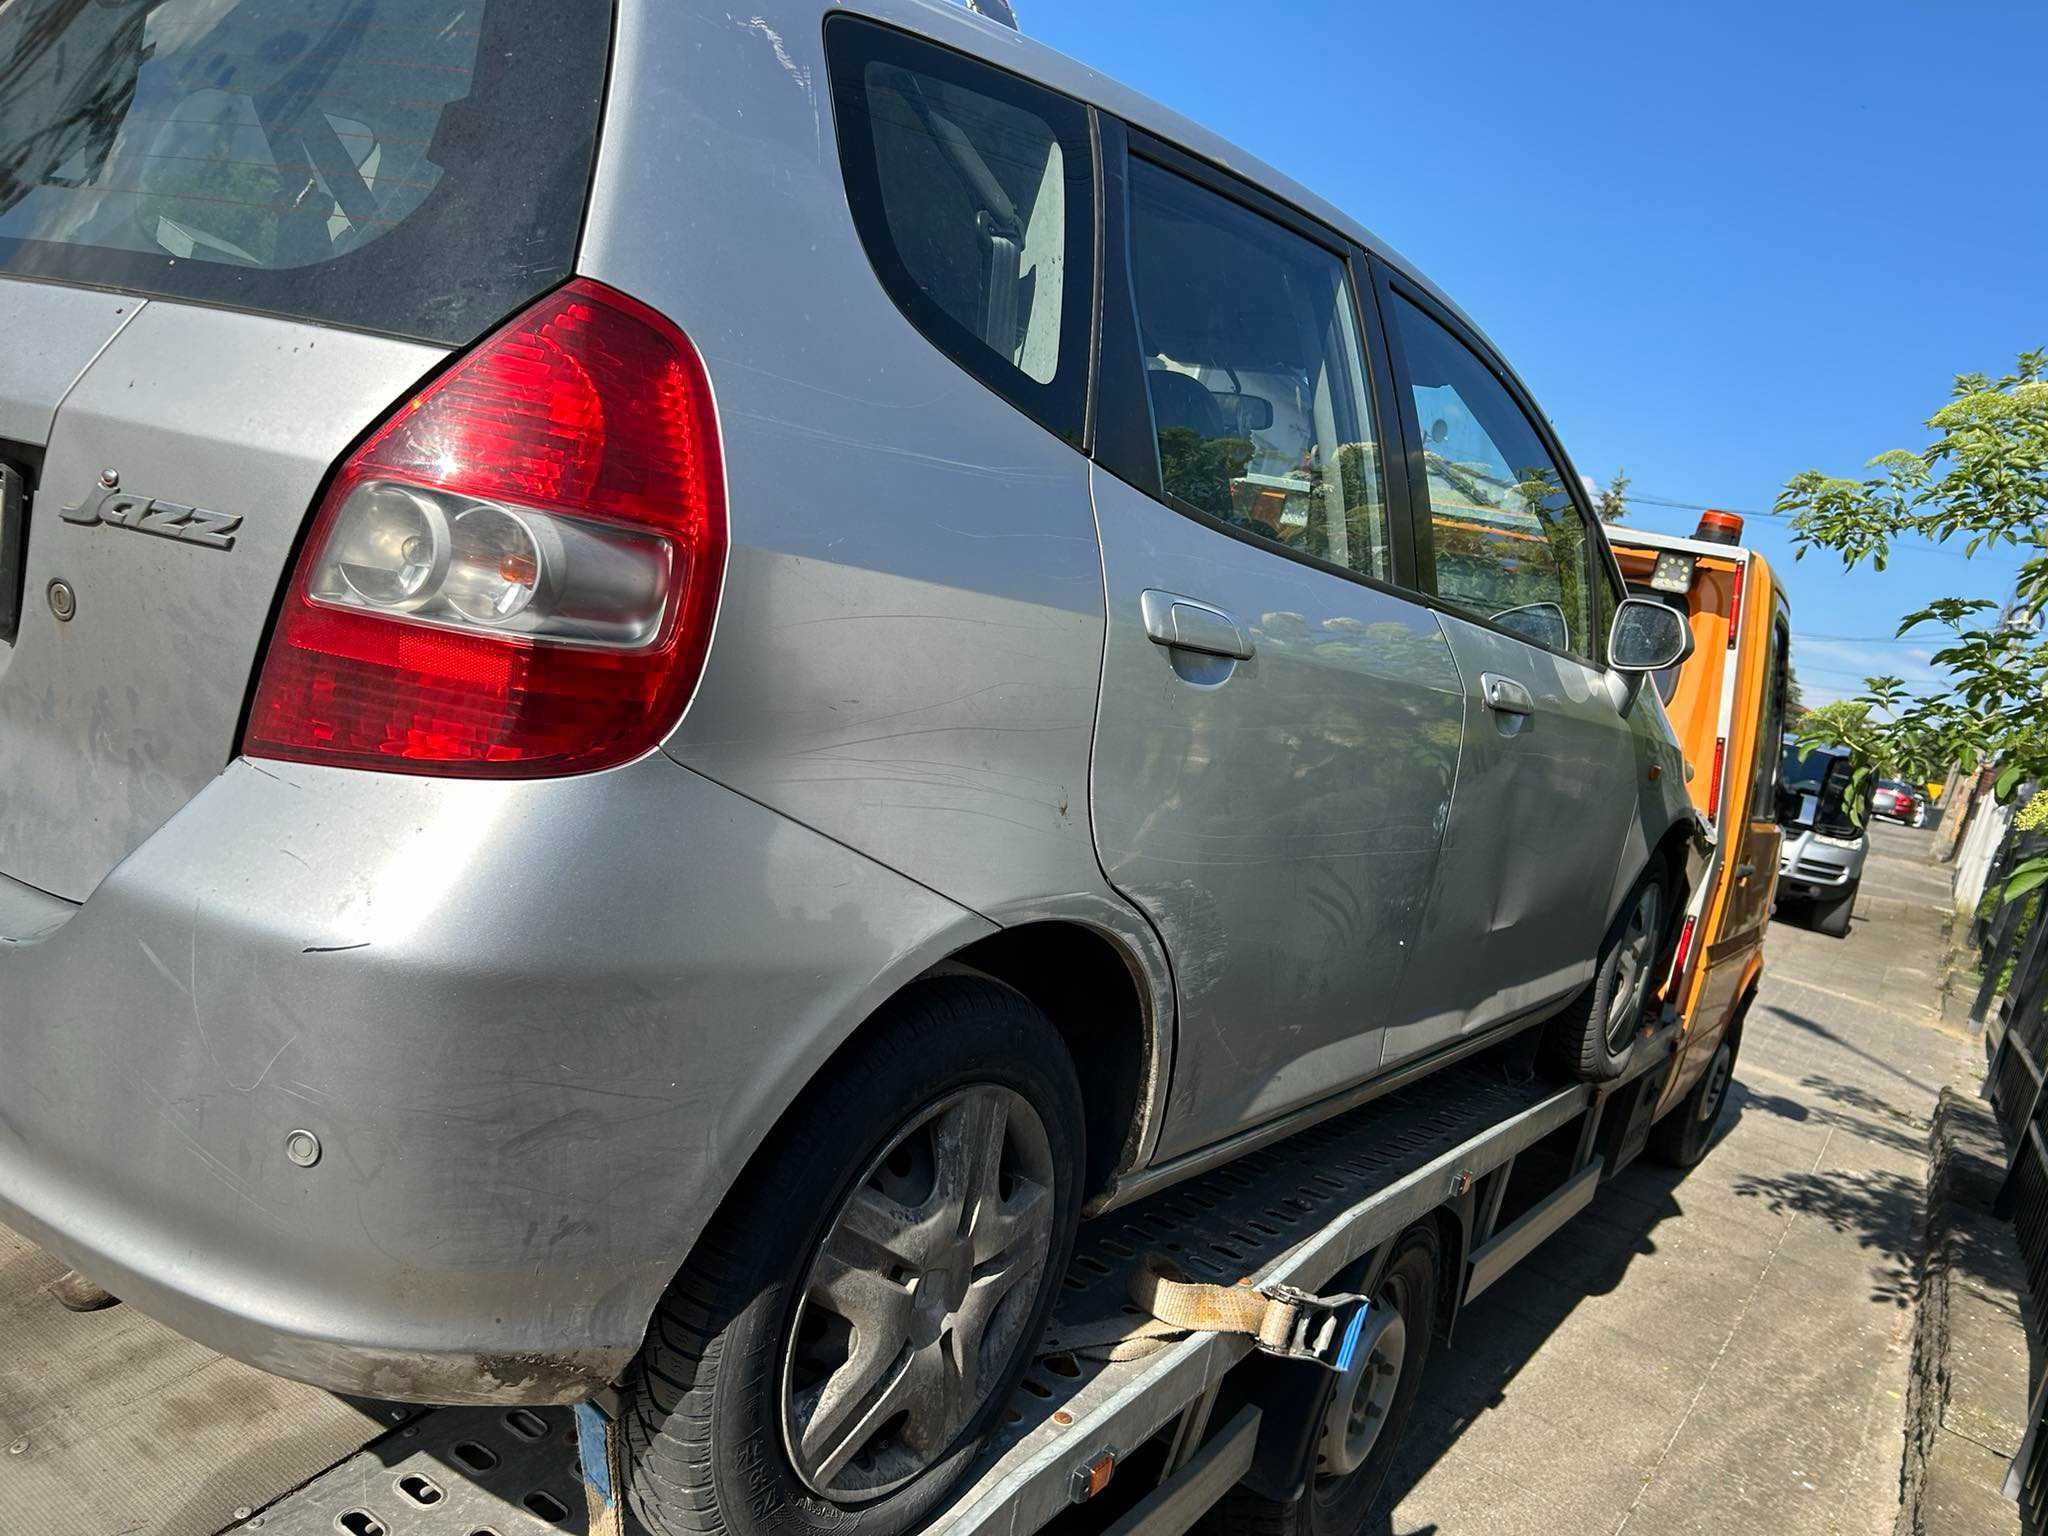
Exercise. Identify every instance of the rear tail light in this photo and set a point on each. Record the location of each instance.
(516, 574)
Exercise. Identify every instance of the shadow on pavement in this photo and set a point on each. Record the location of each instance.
(1821, 1031)
(1881, 1210)
(1501, 1331)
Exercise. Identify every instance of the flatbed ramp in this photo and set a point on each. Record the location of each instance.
(1297, 1211)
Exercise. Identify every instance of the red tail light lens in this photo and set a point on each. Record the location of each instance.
(516, 574)
(1678, 960)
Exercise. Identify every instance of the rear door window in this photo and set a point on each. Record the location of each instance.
(1510, 546)
(973, 192)
(416, 167)
(1255, 373)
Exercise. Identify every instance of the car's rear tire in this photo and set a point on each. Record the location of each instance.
(1596, 1032)
(1682, 1137)
(852, 1322)
(1363, 1434)
(1831, 914)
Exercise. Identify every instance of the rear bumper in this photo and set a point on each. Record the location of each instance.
(537, 1029)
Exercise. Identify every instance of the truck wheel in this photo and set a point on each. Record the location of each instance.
(1831, 917)
(851, 1323)
(1597, 1031)
(1369, 1410)
(1682, 1137)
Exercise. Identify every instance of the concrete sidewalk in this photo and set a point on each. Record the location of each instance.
(1727, 1350)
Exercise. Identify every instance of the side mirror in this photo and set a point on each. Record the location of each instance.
(1647, 637)
(1245, 413)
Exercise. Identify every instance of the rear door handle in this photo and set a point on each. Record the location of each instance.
(1744, 871)
(1504, 695)
(1184, 624)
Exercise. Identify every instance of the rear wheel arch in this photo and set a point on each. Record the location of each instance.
(1094, 992)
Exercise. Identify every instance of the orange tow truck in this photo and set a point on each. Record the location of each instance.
(1727, 705)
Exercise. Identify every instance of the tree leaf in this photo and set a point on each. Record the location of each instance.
(2027, 877)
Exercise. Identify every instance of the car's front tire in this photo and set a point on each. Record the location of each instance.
(845, 1335)
(1596, 1032)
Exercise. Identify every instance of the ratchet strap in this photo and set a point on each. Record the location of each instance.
(1281, 1320)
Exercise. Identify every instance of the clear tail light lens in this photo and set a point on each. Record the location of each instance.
(516, 574)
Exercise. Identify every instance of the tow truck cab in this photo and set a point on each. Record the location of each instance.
(1727, 704)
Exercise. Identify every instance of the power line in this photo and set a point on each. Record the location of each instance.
(1633, 498)
(1800, 634)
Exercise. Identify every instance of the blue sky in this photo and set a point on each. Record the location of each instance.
(1721, 243)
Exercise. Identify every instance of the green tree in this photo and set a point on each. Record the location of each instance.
(1983, 480)
(1612, 504)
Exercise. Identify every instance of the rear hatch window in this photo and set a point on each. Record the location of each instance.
(414, 167)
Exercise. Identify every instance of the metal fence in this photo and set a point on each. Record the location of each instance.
(2011, 940)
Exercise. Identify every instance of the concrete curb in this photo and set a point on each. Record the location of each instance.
(1966, 1400)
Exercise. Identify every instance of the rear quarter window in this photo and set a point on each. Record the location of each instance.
(973, 192)
(416, 167)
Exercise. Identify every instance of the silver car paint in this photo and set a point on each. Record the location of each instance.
(115, 719)
(912, 563)
(1542, 804)
(539, 1027)
(51, 334)
(1278, 818)
(530, 1093)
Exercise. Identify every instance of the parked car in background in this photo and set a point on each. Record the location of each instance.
(648, 756)
(1727, 703)
(1897, 801)
(1820, 868)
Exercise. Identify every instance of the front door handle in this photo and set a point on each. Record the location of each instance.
(1185, 624)
(1505, 696)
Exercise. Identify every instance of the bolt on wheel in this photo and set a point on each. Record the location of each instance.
(914, 1303)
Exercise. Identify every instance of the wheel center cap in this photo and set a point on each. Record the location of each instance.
(935, 1296)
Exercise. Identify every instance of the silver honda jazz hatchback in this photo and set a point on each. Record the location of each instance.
(673, 680)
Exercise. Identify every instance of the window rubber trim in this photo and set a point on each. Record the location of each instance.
(852, 43)
(1123, 432)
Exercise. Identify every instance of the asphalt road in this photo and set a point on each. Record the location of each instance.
(1726, 1350)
